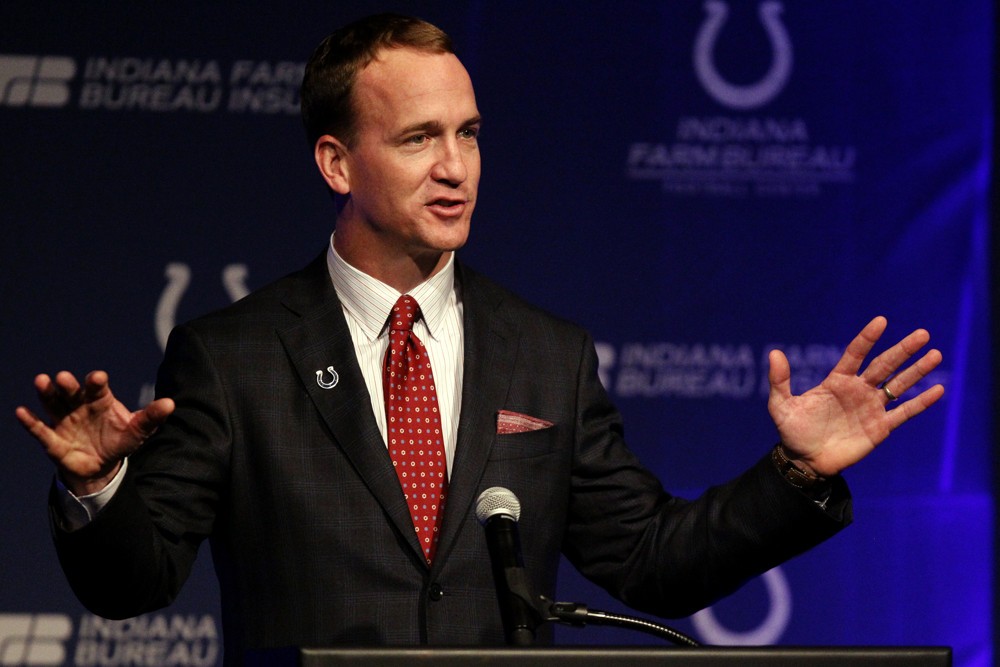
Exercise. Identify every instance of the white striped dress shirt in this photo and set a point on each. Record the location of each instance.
(367, 303)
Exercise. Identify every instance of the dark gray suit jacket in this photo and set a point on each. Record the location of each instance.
(310, 535)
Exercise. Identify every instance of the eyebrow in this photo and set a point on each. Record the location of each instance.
(432, 126)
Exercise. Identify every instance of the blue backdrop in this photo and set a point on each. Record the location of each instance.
(695, 182)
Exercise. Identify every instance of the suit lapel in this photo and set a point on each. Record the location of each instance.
(318, 341)
(490, 349)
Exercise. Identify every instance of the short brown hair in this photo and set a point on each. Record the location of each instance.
(326, 99)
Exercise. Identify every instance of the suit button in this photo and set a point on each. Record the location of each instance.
(436, 592)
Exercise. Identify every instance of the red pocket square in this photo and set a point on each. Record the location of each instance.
(515, 422)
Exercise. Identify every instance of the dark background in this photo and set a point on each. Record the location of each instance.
(701, 270)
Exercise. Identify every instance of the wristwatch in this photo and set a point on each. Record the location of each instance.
(793, 474)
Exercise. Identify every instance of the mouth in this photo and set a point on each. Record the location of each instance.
(448, 206)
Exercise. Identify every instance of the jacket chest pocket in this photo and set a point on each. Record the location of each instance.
(525, 445)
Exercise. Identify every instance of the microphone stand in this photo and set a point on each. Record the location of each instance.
(542, 610)
(577, 615)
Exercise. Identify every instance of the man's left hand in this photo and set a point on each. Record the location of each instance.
(839, 422)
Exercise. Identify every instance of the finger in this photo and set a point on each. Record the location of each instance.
(95, 386)
(67, 383)
(914, 373)
(887, 363)
(52, 397)
(44, 384)
(914, 406)
(27, 418)
(39, 430)
(850, 362)
(67, 393)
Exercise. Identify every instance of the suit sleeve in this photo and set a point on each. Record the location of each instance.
(665, 555)
(138, 551)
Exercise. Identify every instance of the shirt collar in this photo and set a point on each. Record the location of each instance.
(369, 300)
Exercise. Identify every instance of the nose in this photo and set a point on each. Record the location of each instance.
(450, 168)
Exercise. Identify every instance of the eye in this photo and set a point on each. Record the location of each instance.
(417, 139)
(469, 133)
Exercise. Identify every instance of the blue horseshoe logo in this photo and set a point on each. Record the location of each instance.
(753, 95)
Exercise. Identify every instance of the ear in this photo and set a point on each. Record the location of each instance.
(330, 155)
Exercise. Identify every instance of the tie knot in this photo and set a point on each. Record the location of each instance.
(404, 313)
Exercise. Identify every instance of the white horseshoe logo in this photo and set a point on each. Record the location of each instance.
(768, 632)
(334, 378)
(234, 279)
(605, 362)
(753, 95)
(178, 278)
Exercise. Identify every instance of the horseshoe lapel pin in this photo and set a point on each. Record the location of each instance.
(334, 378)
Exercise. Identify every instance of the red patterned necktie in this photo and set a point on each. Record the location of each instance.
(414, 425)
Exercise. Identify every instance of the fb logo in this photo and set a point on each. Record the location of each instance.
(33, 639)
(37, 81)
(752, 95)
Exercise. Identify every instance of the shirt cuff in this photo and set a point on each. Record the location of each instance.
(77, 512)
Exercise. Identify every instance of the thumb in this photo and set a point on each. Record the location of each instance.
(146, 421)
(779, 376)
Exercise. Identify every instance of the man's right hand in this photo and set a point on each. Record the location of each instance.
(91, 431)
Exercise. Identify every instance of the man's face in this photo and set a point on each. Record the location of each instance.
(413, 170)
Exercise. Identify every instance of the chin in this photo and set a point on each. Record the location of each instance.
(455, 238)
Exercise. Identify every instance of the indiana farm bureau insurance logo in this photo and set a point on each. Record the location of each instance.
(128, 83)
(742, 150)
(151, 640)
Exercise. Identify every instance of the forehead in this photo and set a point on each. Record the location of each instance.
(401, 84)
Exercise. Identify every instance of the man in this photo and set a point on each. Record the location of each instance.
(270, 435)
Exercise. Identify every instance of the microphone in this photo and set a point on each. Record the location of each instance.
(498, 510)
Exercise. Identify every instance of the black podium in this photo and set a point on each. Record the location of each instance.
(629, 656)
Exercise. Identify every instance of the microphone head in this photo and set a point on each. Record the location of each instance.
(497, 500)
